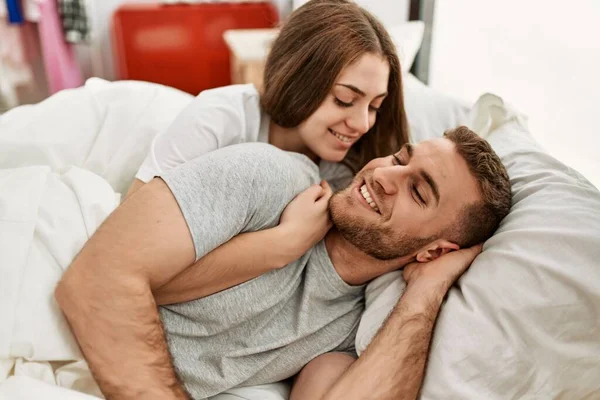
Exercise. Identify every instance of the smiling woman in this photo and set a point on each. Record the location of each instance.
(332, 91)
(346, 114)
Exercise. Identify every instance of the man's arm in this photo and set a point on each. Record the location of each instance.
(393, 365)
(106, 295)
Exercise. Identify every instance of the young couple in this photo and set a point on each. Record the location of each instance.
(258, 268)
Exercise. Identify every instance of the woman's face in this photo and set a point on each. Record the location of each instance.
(349, 110)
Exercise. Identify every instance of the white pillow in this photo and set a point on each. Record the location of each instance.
(523, 322)
(430, 112)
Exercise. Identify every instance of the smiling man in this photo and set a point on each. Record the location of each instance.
(414, 206)
(424, 205)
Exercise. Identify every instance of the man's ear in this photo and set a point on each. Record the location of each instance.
(435, 249)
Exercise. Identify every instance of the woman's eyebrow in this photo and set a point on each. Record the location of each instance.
(358, 91)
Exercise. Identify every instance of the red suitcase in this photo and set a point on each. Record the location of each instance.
(182, 45)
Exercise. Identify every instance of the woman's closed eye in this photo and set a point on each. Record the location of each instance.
(348, 105)
(342, 103)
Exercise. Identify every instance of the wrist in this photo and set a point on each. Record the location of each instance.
(284, 246)
(422, 303)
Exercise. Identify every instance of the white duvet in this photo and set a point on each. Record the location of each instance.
(63, 164)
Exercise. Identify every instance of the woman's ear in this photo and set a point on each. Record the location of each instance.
(436, 249)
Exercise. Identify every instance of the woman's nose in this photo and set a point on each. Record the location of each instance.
(359, 121)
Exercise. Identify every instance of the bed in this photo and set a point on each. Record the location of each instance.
(522, 323)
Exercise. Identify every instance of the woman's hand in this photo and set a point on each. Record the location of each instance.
(305, 220)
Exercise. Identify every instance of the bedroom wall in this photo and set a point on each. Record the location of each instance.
(543, 57)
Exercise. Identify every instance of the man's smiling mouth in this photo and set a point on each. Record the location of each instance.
(367, 196)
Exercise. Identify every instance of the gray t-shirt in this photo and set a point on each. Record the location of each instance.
(264, 330)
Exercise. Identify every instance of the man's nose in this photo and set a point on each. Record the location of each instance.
(389, 177)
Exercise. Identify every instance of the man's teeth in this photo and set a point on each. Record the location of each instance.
(341, 137)
(367, 196)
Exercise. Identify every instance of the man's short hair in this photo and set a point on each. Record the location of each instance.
(478, 221)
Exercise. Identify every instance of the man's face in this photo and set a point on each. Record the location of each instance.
(399, 204)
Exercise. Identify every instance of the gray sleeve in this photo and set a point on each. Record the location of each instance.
(338, 175)
(236, 189)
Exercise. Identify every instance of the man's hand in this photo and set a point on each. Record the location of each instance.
(393, 365)
(438, 276)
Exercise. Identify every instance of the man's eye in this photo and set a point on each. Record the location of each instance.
(341, 103)
(416, 192)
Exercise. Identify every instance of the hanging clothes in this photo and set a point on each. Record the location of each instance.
(15, 70)
(62, 69)
(15, 14)
(18, 50)
(75, 21)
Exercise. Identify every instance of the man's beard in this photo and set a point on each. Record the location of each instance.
(380, 242)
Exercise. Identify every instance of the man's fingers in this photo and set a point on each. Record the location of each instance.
(450, 265)
(472, 252)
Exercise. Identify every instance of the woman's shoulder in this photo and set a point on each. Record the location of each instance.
(232, 112)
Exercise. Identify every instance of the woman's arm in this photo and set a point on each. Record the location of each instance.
(304, 222)
(244, 257)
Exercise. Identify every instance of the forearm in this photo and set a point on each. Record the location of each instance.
(243, 258)
(118, 329)
(393, 365)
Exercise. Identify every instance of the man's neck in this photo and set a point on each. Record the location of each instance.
(353, 265)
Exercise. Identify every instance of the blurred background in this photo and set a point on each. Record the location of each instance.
(542, 57)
